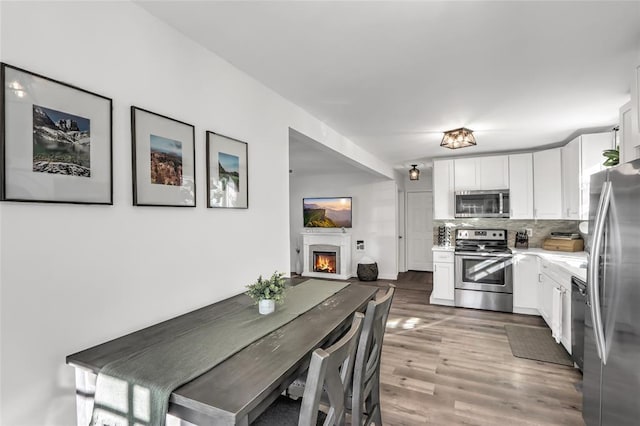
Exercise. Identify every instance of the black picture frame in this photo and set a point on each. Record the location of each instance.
(56, 141)
(161, 177)
(227, 192)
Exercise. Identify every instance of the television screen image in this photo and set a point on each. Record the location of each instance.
(327, 212)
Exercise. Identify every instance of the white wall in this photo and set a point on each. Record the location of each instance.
(374, 214)
(74, 276)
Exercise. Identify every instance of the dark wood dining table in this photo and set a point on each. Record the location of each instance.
(238, 389)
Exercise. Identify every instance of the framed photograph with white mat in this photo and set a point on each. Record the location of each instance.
(56, 141)
(163, 156)
(227, 172)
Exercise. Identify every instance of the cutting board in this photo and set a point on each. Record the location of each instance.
(563, 245)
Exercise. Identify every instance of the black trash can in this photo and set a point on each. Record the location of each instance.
(368, 271)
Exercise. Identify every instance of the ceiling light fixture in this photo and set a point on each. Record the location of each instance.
(414, 173)
(458, 138)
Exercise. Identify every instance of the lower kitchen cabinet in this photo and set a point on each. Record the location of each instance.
(543, 287)
(443, 281)
(545, 299)
(525, 284)
(554, 298)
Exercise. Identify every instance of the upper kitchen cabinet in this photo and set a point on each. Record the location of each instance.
(547, 188)
(467, 174)
(443, 188)
(581, 158)
(521, 186)
(629, 137)
(571, 179)
(482, 173)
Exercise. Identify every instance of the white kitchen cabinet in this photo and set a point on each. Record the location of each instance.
(443, 281)
(521, 186)
(443, 189)
(494, 172)
(581, 158)
(566, 317)
(555, 301)
(547, 184)
(482, 173)
(545, 298)
(571, 180)
(467, 174)
(629, 138)
(525, 284)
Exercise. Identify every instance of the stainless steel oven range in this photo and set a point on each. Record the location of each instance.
(483, 270)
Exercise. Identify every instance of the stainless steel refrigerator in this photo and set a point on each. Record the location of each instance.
(611, 387)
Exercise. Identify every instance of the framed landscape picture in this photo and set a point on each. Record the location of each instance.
(55, 141)
(163, 160)
(227, 172)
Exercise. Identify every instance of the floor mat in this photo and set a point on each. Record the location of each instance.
(536, 343)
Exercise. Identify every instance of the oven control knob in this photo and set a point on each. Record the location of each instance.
(494, 234)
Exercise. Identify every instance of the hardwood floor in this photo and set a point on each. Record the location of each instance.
(448, 366)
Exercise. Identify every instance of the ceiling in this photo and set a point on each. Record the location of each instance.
(392, 76)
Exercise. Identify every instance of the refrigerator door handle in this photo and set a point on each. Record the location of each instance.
(594, 271)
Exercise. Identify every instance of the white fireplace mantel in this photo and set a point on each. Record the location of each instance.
(337, 239)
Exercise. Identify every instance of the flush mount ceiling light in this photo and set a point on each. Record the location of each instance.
(458, 138)
(414, 173)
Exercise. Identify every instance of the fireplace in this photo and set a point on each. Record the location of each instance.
(326, 255)
(325, 261)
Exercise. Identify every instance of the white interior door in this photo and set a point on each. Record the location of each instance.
(402, 262)
(419, 233)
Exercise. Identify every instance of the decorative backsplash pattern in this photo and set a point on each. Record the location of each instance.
(541, 228)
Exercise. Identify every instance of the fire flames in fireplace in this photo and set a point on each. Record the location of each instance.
(324, 262)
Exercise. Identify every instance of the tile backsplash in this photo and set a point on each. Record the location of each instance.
(541, 228)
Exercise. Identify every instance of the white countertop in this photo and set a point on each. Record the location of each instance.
(575, 263)
(443, 248)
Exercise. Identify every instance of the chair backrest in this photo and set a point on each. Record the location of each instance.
(367, 365)
(330, 369)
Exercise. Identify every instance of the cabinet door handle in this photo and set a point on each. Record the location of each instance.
(539, 278)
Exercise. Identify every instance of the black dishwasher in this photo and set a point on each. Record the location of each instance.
(578, 306)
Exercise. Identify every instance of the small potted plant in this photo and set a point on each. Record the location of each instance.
(612, 157)
(266, 292)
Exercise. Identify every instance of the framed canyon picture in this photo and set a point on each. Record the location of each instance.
(227, 172)
(163, 156)
(56, 141)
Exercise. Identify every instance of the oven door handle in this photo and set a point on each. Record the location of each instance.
(484, 255)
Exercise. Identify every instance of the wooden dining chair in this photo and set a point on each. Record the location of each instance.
(363, 397)
(330, 370)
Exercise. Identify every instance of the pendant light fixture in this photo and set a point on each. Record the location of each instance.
(414, 173)
(458, 138)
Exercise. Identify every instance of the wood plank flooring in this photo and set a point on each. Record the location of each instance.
(448, 366)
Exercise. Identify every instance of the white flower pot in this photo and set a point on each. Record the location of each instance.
(265, 307)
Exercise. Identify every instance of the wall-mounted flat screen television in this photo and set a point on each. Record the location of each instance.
(327, 212)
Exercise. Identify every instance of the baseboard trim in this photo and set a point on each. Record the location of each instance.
(526, 311)
(444, 302)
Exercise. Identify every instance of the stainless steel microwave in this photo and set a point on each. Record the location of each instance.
(494, 203)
